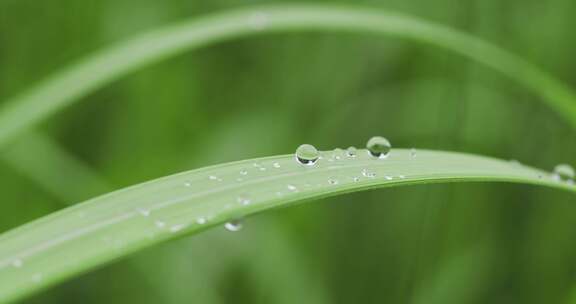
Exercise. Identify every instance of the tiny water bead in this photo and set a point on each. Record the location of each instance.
(201, 220)
(338, 153)
(351, 152)
(276, 165)
(143, 212)
(243, 172)
(233, 226)
(333, 181)
(307, 155)
(378, 146)
(244, 199)
(564, 172)
(412, 153)
(292, 187)
(214, 178)
(187, 184)
(368, 173)
(177, 227)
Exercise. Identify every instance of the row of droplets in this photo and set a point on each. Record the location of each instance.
(377, 146)
(307, 155)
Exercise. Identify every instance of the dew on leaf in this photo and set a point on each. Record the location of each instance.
(307, 155)
(378, 147)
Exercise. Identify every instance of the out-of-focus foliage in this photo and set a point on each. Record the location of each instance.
(262, 96)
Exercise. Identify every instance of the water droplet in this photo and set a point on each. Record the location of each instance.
(243, 172)
(201, 220)
(17, 263)
(244, 199)
(388, 177)
(378, 146)
(368, 173)
(276, 165)
(187, 184)
(564, 172)
(234, 225)
(307, 155)
(214, 178)
(412, 153)
(159, 224)
(143, 212)
(351, 152)
(291, 187)
(333, 181)
(402, 176)
(259, 21)
(338, 153)
(177, 227)
(356, 179)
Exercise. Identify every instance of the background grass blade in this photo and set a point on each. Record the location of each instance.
(87, 235)
(101, 68)
(57, 171)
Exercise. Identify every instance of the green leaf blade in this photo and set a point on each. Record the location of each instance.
(84, 236)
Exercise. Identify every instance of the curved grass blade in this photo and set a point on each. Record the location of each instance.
(88, 75)
(57, 171)
(84, 236)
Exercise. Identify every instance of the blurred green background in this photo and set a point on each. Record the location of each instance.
(463, 243)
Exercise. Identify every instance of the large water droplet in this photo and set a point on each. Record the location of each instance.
(307, 155)
(564, 172)
(233, 225)
(378, 146)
